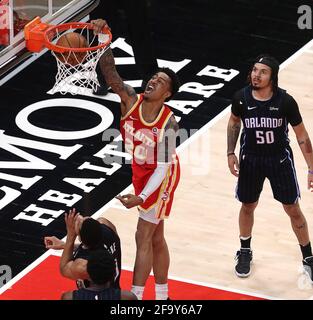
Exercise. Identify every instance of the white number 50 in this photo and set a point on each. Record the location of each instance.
(262, 138)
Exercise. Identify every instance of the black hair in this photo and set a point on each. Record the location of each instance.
(270, 62)
(175, 82)
(101, 267)
(91, 233)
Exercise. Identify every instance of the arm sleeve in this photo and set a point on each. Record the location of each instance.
(155, 180)
(292, 111)
(237, 104)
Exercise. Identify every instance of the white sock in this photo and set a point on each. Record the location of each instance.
(138, 291)
(244, 238)
(161, 291)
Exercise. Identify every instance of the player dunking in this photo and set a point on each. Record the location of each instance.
(149, 130)
(265, 111)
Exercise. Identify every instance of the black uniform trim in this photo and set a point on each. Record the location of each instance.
(105, 294)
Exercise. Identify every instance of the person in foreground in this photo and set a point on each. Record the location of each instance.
(94, 235)
(101, 271)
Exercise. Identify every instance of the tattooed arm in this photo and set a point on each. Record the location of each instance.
(306, 148)
(167, 146)
(233, 130)
(127, 93)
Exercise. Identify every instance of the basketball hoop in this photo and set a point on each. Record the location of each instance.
(76, 66)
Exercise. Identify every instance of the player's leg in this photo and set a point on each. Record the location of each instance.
(298, 222)
(300, 228)
(161, 256)
(144, 255)
(283, 180)
(249, 187)
(286, 190)
(246, 220)
(161, 262)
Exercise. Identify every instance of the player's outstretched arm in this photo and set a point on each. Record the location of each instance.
(127, 93)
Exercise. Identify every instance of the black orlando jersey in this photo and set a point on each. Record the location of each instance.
(265, 123)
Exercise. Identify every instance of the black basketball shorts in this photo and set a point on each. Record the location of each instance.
(280, 171)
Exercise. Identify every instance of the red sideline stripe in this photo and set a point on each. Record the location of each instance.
(44, 282)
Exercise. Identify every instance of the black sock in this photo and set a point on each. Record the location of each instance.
(245, 244)
(306, 250)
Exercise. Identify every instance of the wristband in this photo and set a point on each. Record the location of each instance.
(310, 171)
(143, 197)
(230, 153)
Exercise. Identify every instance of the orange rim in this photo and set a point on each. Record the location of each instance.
(52, 31)
(39, 35)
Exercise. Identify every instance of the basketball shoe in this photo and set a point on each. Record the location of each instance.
(243, 265)
(308, 266)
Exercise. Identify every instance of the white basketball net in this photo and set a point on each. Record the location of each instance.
(81, 77)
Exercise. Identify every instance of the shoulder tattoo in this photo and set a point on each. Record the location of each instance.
(172, 124)
(130, 90)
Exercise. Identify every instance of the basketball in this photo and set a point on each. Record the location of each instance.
(72, 40)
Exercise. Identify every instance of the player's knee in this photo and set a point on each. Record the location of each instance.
(142, 238)
(158, 241)
(293, 210)
(249, 208)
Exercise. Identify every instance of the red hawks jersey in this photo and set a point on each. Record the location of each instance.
(141, 140)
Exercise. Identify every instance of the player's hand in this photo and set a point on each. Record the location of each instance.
(129, 200)
(70, 222)
(99, 25)
(233, 164)
(310, 182)
(53, 243)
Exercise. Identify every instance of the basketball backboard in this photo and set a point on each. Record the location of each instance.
(15, 14)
